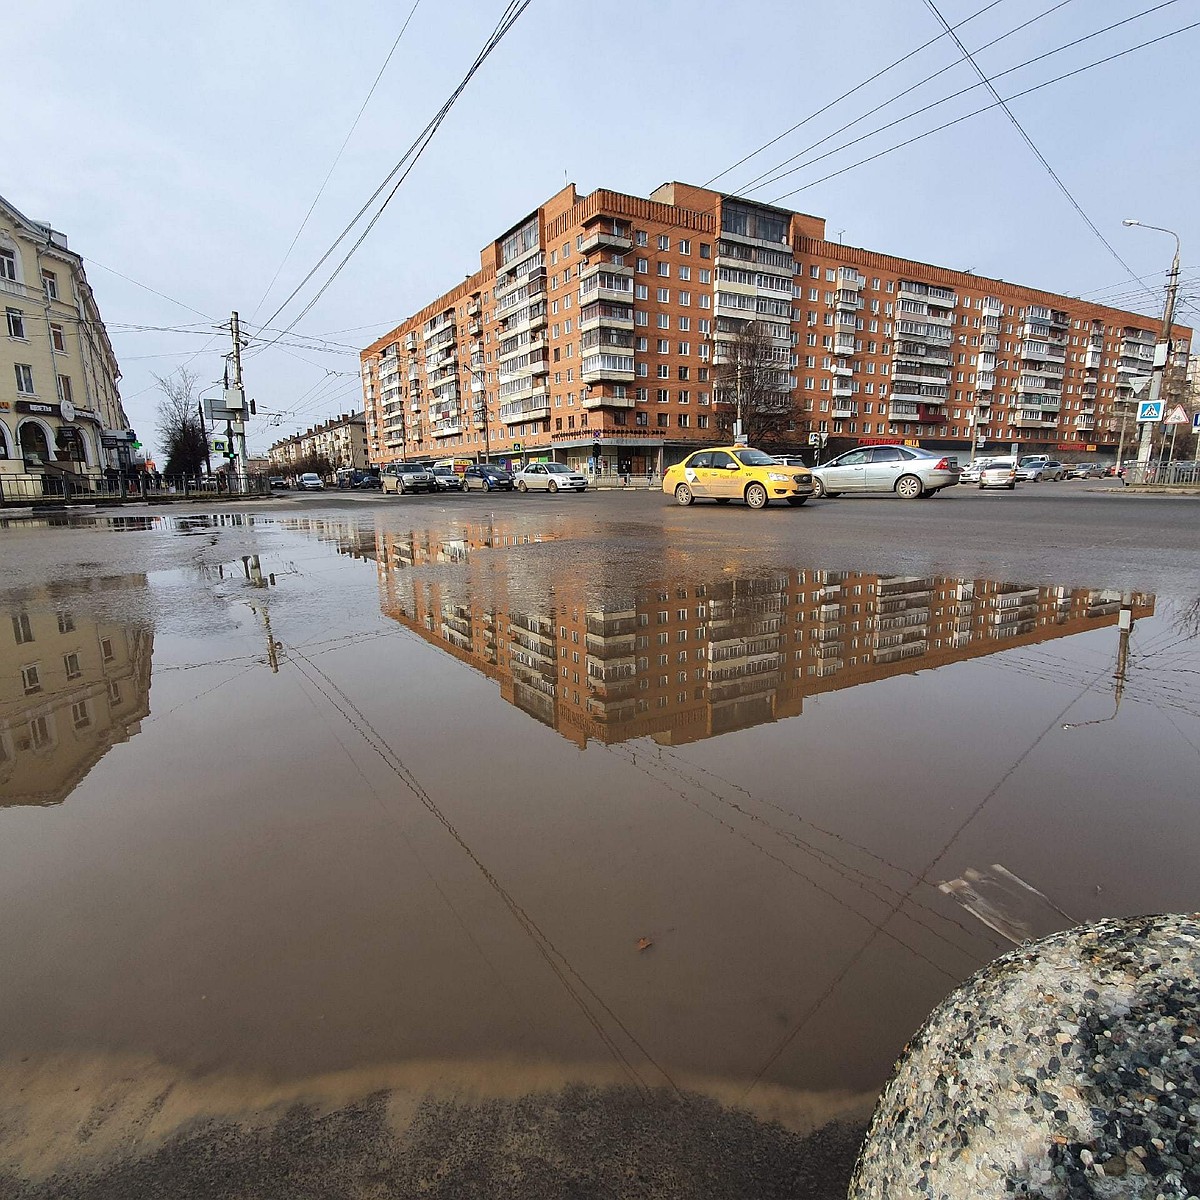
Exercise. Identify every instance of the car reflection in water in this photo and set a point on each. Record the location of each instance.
(71, 688)
(680, 663)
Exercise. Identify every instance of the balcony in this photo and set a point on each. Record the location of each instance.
(985, 381)
(594, 400)
(474, 309)
(448, 428)
(842, 369)
(598, 316)
(535, 407)
(614, 372)
(843, 387)
(847, 300)
(848, 277)
(603, 239)
(843, 344)
(1033, 420)
(903, 410)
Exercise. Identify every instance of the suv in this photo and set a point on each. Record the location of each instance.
(402, 477)
(1036, 468)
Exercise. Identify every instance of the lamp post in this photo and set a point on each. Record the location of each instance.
(1162, 350)
(738, 423)
(487, 446)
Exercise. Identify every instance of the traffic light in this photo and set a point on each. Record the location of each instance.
(253, 410)
(595, 449)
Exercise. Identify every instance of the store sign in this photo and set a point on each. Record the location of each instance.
(28, 406)
(882, 442)
(5, 406)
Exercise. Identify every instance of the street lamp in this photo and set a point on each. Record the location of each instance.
(487, 448)
(1163, 348)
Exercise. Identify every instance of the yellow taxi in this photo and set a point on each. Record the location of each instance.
(726, 473)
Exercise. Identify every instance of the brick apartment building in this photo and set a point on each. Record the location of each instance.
(602, 319)
(680, 661)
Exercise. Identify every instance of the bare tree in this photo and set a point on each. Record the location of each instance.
(751, 374)
(181, 435)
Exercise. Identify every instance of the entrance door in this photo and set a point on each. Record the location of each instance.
(34, 443)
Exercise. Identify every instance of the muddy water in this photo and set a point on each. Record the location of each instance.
(314, 809)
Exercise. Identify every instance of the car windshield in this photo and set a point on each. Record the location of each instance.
(489, 470)
(557, 468)
(755, 458)
(1031, 460)
(442, 471)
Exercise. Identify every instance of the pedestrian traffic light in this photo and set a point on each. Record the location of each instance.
(595, 449)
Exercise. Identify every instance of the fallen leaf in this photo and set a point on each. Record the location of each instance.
(644, 943)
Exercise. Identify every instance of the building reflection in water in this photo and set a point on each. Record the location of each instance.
(71, 688)
(680, 663)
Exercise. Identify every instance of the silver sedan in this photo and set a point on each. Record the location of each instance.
(549, 477)
(907, 471)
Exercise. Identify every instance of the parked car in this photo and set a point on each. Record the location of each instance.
(1087, 471)
(447, 479)
(908, 471)
(549, 477)
(310, 482)
(1058, 471)
(1036, 468)
(487, 477)
(400, 478)
(278, 481)
(998, 472)
(970, 473)
(368, 481)
(726, 473)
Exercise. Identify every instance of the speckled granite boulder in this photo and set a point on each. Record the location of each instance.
(1068, 1068)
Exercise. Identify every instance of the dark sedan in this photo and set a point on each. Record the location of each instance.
(486, 477)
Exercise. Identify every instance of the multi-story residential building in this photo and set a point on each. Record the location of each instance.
(341, 440)
(680, 661)
(71, 688)
(61, 415)
(600, 323)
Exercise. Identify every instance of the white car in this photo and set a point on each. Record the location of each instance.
(998, 472)
(549, 477)
(970, 473)
(310, 482)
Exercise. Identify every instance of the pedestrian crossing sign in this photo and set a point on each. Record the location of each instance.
(1149, 410)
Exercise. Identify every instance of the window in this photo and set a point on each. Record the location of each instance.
(705, 250)
(66, 623)
(664, 295)
(664, 420)
(24, 373)
(50, 283)
(16, 323)
(664, 241)
(641, 292)
(58, 339)
(664, 269)
(664, 371)
(8, 264)
(685, 272)
(662, 395)
(685, 299)
(71, 663)
(31, 679)
(64, 388)
(643, 266)
(684, 420)
(641, 418)
(639, 237)
(22, 631)
(81, 717)
(685, 323)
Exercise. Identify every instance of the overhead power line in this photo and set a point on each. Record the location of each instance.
(985, 108)
(770, 175)
(336, 159)
(932, 104)
(512, 13)
(1008, 112)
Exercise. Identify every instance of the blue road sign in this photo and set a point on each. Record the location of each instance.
(1150, 410)
(1196, 422)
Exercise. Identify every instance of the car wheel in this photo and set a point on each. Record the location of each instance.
(819, 489)
(756, 496)
(908, 487)
(796, 501)
(521, 486)
(683, 495)
(553, 486)
(722, 499)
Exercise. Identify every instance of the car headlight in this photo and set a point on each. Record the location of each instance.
(777, 477)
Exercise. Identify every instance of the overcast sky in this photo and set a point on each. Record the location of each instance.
(181, 145)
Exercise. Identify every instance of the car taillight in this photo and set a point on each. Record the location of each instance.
(943, 464)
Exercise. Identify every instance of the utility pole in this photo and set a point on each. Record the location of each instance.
(204, 430)
(975, 431)
(738, 430)
(239, 440)
(1161, 351)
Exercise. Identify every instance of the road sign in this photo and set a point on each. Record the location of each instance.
(517, 447)
(1177, 416)
(1196, 422)
(818, 439)
(1149, 410)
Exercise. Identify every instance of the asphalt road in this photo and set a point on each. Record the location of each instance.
(1077, 533)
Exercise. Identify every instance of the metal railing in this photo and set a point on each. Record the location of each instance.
(50, 488)
(1179, 472)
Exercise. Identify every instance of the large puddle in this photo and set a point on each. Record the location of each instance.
(317, 808)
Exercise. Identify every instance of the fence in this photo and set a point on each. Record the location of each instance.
(1179, 472)
(51, 489)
